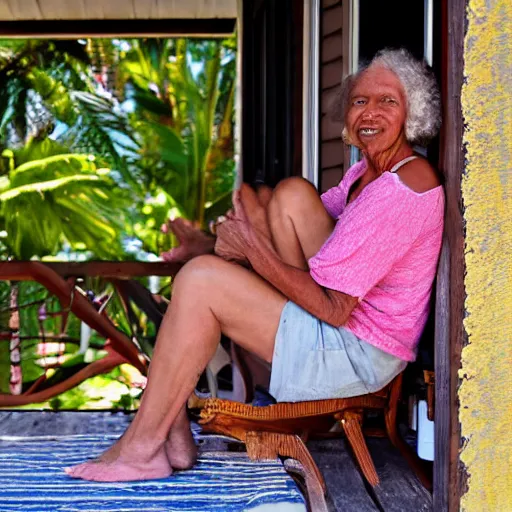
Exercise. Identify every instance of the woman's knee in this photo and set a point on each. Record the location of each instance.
(198, 272)
(295, 187)
(294, 195)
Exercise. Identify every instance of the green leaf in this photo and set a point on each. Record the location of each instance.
(37, 149)
(53, 167)
(151, 103)
(219, 207)
(45, 186)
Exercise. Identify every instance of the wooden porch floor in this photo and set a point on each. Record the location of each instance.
(399, 491)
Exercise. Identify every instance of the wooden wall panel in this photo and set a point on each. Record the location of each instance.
(331, 155)
(331, 74)
(5, 11)
(330, 129)
(331, 177)
(332, 19)
(327, 98)
(451, 336)
(332, 48)
(18, 10)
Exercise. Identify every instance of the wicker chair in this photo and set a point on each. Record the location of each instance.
(283, 428)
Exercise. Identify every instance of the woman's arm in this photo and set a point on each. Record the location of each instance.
(238, 239)
(298, 286)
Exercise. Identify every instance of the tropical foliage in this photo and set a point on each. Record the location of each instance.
(107, 138)
(101, 141)
(58, 196)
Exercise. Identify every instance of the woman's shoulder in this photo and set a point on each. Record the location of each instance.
(419, 176)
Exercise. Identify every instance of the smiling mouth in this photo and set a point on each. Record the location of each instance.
(369, 131)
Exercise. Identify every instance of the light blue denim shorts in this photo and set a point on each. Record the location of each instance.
(314, 360)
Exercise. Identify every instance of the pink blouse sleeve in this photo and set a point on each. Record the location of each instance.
(335, 198)
(372, 234)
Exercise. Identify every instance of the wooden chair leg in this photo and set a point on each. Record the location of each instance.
(351, 422)
(408, 453)
(396, 440)
(310, 488)
(269, 445)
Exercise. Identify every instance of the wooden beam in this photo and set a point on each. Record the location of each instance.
(115, 9)
(77, 303)
(73, 29)
(441, 474)
(108, 269)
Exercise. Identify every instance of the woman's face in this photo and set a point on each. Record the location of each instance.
(376, 112)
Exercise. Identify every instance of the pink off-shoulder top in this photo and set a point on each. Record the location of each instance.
(384, 250)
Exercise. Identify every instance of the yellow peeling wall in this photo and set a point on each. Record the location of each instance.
(486, 390)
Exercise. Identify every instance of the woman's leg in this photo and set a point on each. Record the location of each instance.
(209, 296)
(298, 223)
(296, 219)
(293, 212)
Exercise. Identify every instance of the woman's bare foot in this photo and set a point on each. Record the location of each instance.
(134, 461)
(111, 453)
(181, 451)
(180, 446)
(264, 193)
(193, 241)
(256, 212)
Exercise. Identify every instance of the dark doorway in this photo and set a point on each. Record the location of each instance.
(395, 24)
(272, 90)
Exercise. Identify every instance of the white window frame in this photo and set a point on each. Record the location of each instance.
(351, 64)
(311, 92)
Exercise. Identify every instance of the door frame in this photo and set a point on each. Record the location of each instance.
(450, 335)
(271, 103)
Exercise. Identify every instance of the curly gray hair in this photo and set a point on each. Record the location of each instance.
(421, 92)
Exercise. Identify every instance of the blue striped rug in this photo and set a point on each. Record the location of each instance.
(32, 479)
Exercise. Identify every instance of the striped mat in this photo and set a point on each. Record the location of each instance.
(32, 479)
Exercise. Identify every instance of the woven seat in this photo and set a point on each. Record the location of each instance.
(282, 429)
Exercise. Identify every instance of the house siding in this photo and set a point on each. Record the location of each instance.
(331, 73)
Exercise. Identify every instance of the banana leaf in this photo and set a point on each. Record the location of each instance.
(63, 198)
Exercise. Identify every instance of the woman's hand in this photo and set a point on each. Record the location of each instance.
(227, 246)
(234, 233)
(193, 241)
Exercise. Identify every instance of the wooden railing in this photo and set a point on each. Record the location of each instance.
(109, 269)
(58, 279)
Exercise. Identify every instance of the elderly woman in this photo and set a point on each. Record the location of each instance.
(339, 288)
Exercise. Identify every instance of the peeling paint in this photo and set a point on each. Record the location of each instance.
(486, 390)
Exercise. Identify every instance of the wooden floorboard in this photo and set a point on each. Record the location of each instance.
(47, 423)
(345, 486)
(399, 490)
